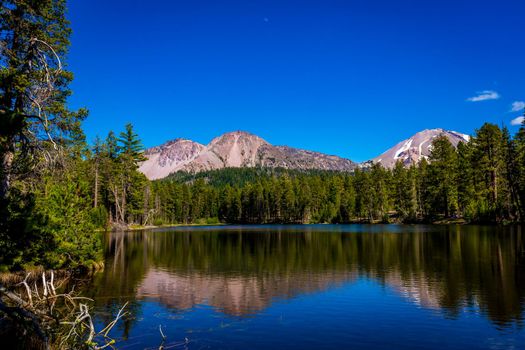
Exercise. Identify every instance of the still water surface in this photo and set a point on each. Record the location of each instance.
(316, 287)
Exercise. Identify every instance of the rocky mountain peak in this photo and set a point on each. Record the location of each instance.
(417, 147)
(237, 148)
(233, 149)
(170, 155)
(244, 149)
(235, 135)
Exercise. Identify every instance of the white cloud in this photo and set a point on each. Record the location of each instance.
(517, 121)
(517, 106)
(484, 96)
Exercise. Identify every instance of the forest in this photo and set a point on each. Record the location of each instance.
(481, 181)
(59, 192)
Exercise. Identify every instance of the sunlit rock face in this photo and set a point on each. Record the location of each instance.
(234, 295)
(169, 157)
(240, 149)
(234, 150)
(417, 147)
(231, 150)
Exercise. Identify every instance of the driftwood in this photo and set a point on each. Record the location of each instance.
(53, 319)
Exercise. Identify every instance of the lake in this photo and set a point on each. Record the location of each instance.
(315, 287)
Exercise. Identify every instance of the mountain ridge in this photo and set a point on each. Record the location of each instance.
(243, 149)
(234, 149)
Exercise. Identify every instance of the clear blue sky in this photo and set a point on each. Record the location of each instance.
(346, 77)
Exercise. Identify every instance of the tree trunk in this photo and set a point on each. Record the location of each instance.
(123, 204)
(494, 179)
(119, 212)
(5, 185)
(446, 205)
(95, 200)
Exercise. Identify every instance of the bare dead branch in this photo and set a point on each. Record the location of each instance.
(38, 308)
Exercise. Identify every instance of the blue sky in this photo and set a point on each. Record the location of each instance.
(346, 77)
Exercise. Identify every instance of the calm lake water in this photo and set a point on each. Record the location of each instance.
(316, 287)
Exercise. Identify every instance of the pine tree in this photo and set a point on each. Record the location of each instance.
(129, 186)
(45, 210)
(443, 177)
(467, 199)
(97, 158)
(131, 145)
(488, 163)
(404, 192)
(519, 147)
(510, 200)
(33, 84)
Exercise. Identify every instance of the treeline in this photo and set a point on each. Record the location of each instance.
(480, 181)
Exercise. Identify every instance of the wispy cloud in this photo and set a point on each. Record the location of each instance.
(517, 106)
(517, 121)
(484, 96)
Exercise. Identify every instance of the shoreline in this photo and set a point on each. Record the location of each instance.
(444, 222)
(149, 227)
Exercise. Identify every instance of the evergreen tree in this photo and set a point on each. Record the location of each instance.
(488, 164)
(519, 154)
(404, 192)
(34, 84)
(442, 178)
(510, 189)
(44, 206)
(131, 145)
(467, 198)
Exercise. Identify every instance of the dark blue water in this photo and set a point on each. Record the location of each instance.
(316, 287)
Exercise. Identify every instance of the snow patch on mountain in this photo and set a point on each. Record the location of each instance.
(404, 148)
(417, 147)
(243, 149)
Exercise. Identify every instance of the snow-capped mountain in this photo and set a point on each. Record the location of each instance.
(241, 149)
(233, 149)
(417, 147)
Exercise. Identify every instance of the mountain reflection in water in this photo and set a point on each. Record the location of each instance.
(243, 270)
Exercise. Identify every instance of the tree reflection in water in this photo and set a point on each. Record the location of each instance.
(241, 270)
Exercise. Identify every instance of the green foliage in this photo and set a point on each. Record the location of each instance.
(280, 197)
(518, 145)
(45, 202)
(99, 217)
(117, 185)
(240, 176)
(50, 227)
(62, 217)
(404, 192)
(15, 238)
(130, 145)
(34, 86)
(442, 194)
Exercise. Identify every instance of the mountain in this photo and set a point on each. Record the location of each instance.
(417, 147)
(234, 149)
(240, 149)
(169, 157)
